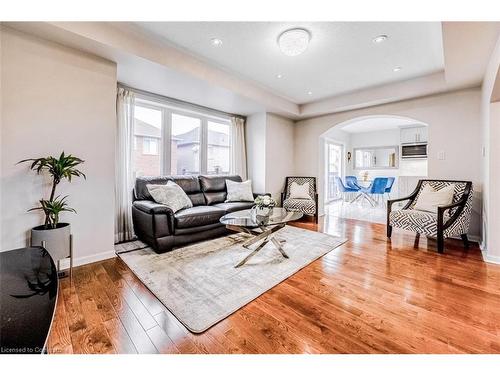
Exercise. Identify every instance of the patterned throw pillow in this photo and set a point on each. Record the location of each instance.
(239, 191)
(299, 191)
(171, 195)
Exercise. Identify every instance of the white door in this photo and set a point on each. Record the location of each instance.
(334, 168)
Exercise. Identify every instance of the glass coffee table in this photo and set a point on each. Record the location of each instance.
(263, 228)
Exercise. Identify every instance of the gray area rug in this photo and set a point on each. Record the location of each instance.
(199, 284)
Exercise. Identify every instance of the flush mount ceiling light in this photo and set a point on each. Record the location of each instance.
(216, 42)
(380, 39)
(309, 93)
(397, 69)
(294, 41)
(279, 76)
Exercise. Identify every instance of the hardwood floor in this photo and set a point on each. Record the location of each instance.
(370, 295)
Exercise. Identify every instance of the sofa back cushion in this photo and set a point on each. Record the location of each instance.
(190, 185)
(141, 191)
(214, 187)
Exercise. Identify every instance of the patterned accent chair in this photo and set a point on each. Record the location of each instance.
(449, 221)
(306, 206)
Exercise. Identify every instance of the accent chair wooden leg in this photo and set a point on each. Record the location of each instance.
(440, 243)
(389, 231)
(465, 239)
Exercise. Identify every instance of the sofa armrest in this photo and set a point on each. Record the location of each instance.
(151, 207)
(152, 219)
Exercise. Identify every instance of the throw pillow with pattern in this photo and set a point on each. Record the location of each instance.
(171, 195)
(239, 191)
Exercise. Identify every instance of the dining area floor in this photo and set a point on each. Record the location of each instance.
(360, 210)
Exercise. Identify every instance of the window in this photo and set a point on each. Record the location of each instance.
(185, 152)
(150, 146)
(218, 156)
(148, 132)
(179, 141)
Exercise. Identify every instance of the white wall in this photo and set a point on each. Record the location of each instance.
(54, 99)
(279, 153)
(490, 121)
(255, 136)
(270, 153)
(454, 127)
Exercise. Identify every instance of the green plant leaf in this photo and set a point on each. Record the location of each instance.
(64, 167)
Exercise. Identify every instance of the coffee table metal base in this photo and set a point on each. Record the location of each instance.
(265, 234)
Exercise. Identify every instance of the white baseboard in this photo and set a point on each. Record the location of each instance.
(488, 258)
(491, 259)
(87, 259)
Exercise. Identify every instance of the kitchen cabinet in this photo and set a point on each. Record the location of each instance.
(414, 135)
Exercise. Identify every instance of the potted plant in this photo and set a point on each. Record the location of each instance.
(264, 205)
(55, 234)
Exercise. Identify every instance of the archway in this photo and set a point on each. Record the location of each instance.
(385, 137)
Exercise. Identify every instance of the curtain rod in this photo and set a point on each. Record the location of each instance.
(179, 102)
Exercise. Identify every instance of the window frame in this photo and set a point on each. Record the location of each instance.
(165, 142)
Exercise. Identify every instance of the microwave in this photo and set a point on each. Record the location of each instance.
(414, 151)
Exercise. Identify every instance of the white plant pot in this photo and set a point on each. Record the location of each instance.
(57, 241)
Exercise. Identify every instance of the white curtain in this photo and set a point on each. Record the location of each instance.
(238, 148)
(124, 181)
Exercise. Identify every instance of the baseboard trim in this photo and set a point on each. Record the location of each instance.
(488, 258)
(491, 259)
(87, 259)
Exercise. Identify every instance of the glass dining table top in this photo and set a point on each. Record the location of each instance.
(250, 219)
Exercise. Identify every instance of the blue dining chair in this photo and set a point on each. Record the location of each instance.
(345, 189)
(352, 182)
(376, 189)
(388, 188)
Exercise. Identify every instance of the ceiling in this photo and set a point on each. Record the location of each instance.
(378, 123)
(152, 63)
(341, 56)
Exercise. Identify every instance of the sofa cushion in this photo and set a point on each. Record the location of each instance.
(198, 216)
(191, 185)
(306, 206)
(416, 221)
(234, 206)
(214, 187)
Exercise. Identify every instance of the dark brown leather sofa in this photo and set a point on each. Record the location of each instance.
(156, 225)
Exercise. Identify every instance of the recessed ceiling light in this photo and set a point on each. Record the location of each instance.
(279, 76)
(397, 69)
(309, 93)
(216, 42)
(380, 39)
(294, 41)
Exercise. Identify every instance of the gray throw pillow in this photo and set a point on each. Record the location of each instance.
(171, 195)
(239, 191)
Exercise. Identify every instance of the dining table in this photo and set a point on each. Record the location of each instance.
(364, 183)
